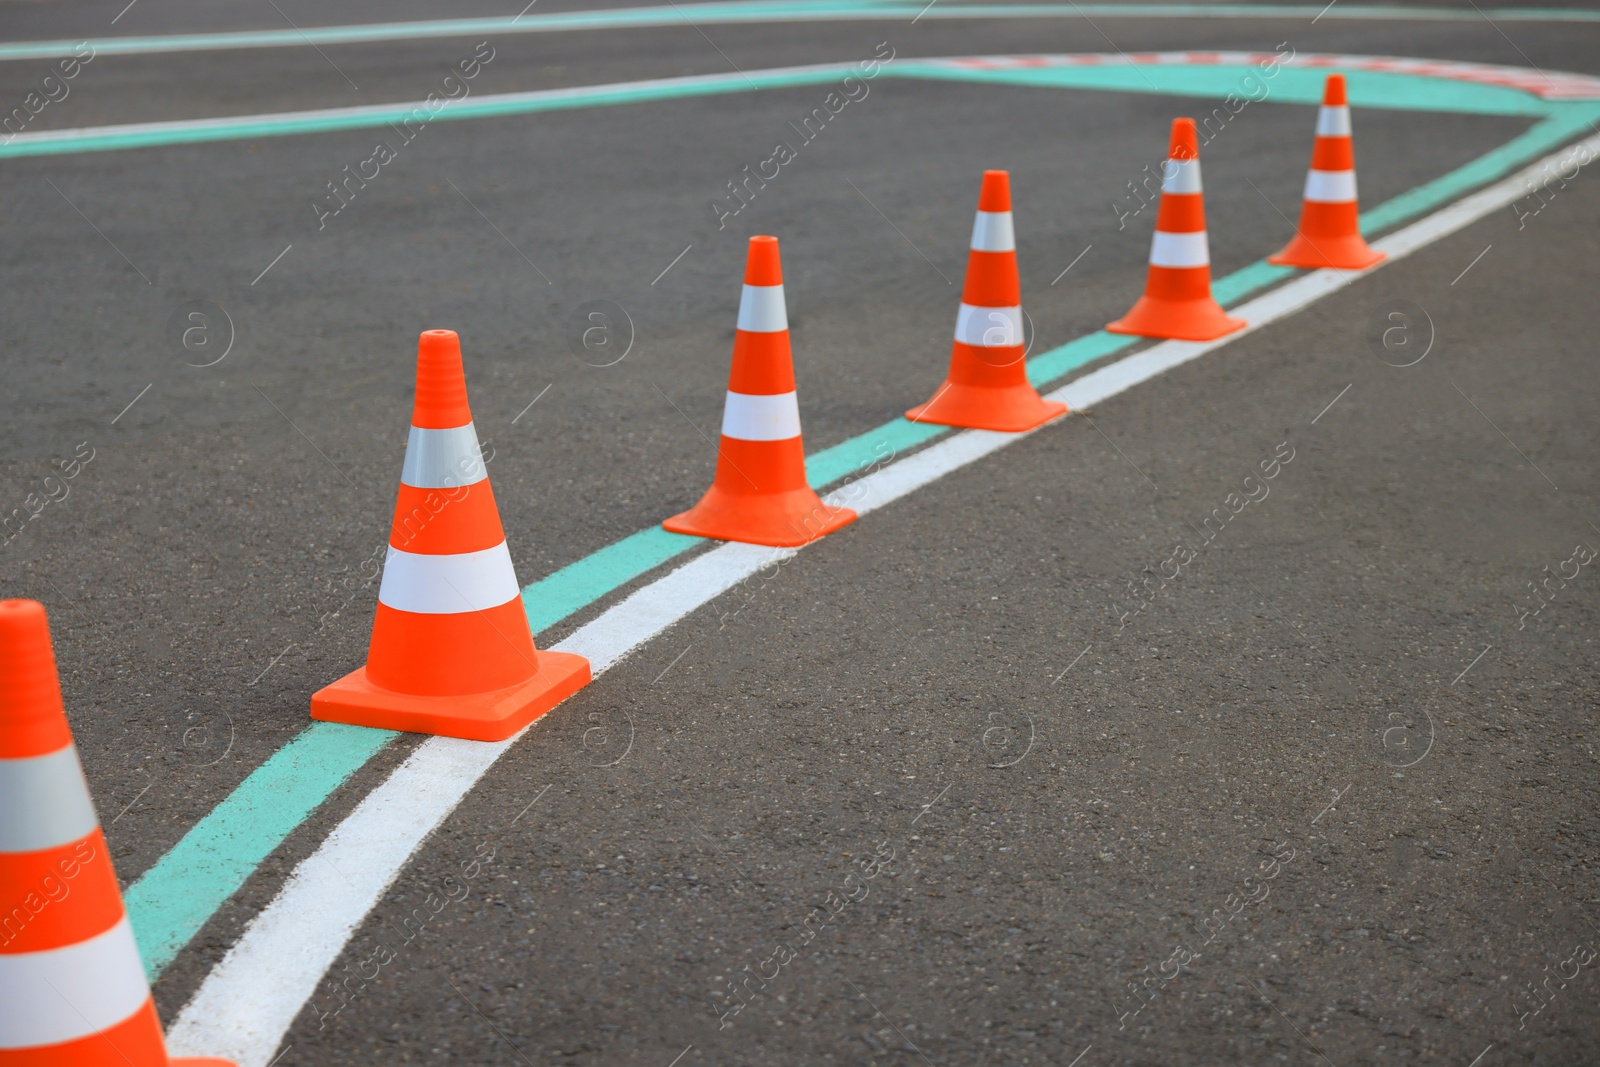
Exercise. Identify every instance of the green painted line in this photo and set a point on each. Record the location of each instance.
(1289, 85)
(762, 12)
(1567, 121)
(577, 585)
(171, 901)
(1059, 362)
(877, 446)
(1411, 92)
(200, 131)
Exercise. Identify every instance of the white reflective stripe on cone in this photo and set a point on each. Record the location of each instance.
(992, 231)
(1331, 186)
(44, 802)
(442, 459)
(448, 584)
(1333, 121)
(1179, 249)
(761, 309)
(67, 993)
(751, 417)
(989, 327)
(1181, 176)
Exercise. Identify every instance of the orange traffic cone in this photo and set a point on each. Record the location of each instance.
(987, 388)
(1177, 300)
(760, 494)
(451, 650)
(1329, 234)
(72, 987)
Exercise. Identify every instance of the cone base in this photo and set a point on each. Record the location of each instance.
(200, 1061)
(491, 716)
(1178, 320)
(779, 520)
(1341, 253)
(1008, 409)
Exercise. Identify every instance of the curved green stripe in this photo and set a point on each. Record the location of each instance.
(761, 11)
(1410, 92)
(172, 900)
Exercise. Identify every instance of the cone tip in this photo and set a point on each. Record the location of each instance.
(32, 719)
(441, 401)
(996, 192)
(763, 266)
(1185, 144)
(1333, 94)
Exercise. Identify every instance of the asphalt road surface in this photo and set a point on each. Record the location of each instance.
(1048, 804)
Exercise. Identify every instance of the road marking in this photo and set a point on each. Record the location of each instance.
(174, 898)
(252, 997)
(1474, 88)
(733, 13)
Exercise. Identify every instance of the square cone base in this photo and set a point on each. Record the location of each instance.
(491, 716)
(200, 1061)
(1010, 409)
(1176, 320)
(785, 519)
(1349, 252)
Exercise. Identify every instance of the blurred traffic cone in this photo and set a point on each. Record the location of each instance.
(451, 649)
(760, 494)
(72, 987)
(987, 388)
(1177, 300)
(1329, 234)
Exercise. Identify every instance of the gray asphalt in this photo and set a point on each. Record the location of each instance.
(903, 659)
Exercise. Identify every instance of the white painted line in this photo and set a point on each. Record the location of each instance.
(250, 999)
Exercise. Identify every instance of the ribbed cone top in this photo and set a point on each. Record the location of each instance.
(762, 266)
(996, 192)
(32, 719)
(1333, 93)
(441, 383)
(1185, 145)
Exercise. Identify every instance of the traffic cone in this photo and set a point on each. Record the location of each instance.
(1329, 234)
(451, 650)
(1177, 300)
(987, 388)
(72, 987)
(760, 494)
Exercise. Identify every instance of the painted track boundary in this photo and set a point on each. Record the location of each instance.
(764, 11)
(254, 994)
